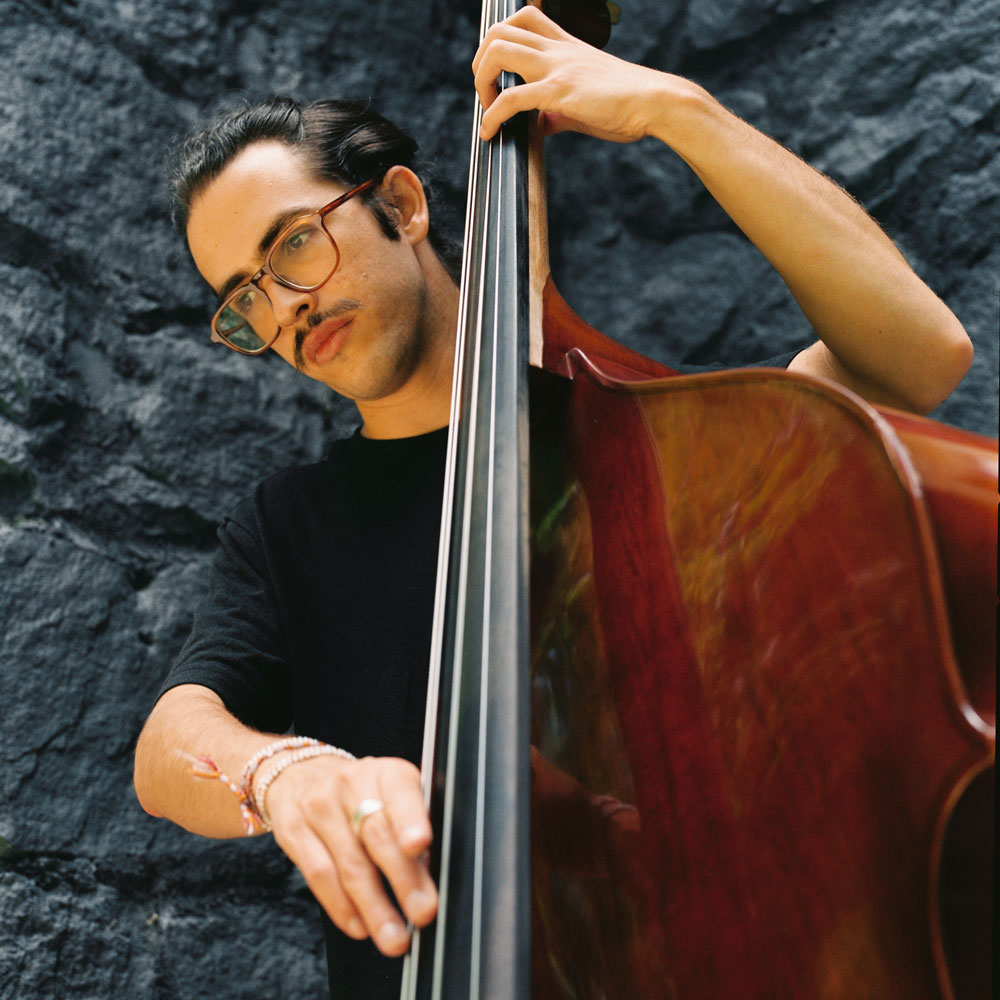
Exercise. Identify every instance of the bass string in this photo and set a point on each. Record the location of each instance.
(490, 13)
(473, 289)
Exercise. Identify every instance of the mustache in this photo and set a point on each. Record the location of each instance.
(341, 308)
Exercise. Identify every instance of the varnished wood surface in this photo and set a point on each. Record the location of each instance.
(742, 665)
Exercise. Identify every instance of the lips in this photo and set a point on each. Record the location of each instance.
(324, 343)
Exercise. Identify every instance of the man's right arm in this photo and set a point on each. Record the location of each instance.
(310, 805)
(190, 721)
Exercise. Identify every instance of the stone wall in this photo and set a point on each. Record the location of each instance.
(124, 434)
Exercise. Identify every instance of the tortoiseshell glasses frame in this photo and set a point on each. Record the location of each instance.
(246, 321)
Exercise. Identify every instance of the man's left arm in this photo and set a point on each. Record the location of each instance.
(883, 333)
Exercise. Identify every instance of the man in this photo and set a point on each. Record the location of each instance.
(321, 598)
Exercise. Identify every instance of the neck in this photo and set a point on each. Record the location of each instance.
(423, 403)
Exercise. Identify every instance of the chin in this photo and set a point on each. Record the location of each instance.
(385, 372)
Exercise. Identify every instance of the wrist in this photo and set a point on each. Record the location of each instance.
(250, 791)
(685, 117)
(281, 762)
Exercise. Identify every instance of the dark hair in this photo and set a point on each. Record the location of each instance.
(342, 141)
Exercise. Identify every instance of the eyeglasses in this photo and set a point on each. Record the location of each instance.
(303, 256)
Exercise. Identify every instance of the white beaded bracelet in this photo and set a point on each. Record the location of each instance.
(259, 795)
(285, 743)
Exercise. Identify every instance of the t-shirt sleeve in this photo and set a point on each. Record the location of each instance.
(236, 646)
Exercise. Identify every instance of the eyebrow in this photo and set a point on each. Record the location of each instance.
(277, 224)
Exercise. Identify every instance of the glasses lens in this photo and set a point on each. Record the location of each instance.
(247, 322)
(304, 256)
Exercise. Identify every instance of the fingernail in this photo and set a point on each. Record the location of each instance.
(356, 928)
(391, 934)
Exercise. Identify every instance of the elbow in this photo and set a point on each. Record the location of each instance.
(949, 362)
(142, 782)
(963, 352)
(147, 808)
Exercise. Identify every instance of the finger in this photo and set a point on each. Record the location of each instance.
(511, 35)
(362, 885)
(532, 19)
(408, 877)
(513, 100)
(313, 859)
(395, 836)
(507, 57)
(358, 877)
(399, 789)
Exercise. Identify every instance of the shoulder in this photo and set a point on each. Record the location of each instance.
(276, 497)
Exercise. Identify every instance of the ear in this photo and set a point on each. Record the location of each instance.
(401, 187)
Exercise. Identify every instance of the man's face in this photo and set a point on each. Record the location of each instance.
(360, 333)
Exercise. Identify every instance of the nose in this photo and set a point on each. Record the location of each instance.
(290, 305)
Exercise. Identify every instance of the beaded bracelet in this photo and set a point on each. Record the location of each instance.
(307, 753)
(255, 820)
(286, 743)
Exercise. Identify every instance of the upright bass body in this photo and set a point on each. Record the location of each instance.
(749, 721)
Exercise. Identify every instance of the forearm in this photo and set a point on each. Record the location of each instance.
(886, 334)
(190, 721)
(882, 331)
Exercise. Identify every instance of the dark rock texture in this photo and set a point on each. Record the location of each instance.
(124, 435)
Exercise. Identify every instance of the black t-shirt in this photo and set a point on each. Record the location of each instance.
(320, 608)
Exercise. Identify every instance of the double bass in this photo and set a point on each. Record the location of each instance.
(711, 683)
